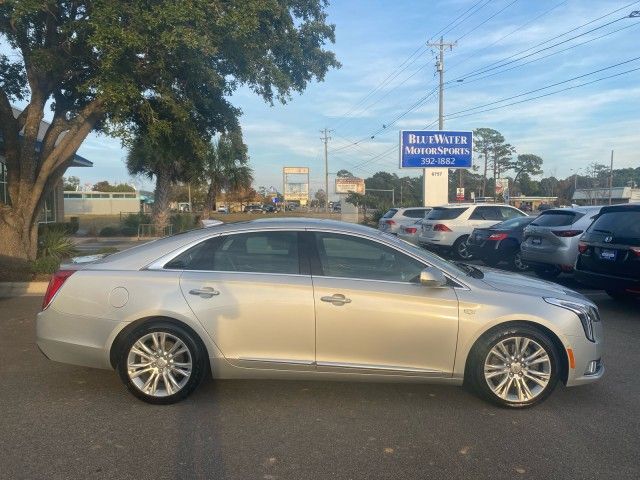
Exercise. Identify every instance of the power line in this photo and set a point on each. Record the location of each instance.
(485, 21)
(503, 62)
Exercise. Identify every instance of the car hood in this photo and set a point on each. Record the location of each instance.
(521, 284)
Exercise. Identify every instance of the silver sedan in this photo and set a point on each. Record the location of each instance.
(315, 299)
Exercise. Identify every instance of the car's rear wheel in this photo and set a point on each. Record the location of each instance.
(162, 362)
(547, 272)
(514, 366)
(517, 263)
(461, 249)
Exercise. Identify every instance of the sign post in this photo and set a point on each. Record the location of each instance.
(460, 194)
(436, 151)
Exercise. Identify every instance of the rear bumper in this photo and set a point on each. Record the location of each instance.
(75, 340)
(605, 281)
(561, 256)
(439, 239)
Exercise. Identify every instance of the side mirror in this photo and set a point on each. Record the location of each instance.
(432, 277)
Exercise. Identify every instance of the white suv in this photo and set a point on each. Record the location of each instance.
(391, 221)
(449, 226)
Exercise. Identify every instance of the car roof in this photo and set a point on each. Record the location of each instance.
(624, 207)
(142, 255)
(459, 205)
(573, 209)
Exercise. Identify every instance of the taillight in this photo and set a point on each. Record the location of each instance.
(566, 233)
(57, 280)
(410, 229)
(498, 236)
(439, 227)
(635, 250)
(583, 247)
(390, 222)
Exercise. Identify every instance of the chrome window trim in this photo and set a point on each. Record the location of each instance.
(158, 265)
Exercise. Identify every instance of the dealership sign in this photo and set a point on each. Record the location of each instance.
(346, 185)
(436, 149)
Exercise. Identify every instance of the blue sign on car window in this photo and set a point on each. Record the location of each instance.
(436, 149)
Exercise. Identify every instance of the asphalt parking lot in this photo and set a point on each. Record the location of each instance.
(61, 421)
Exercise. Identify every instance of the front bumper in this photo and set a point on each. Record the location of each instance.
(606, 282)
(585, 352)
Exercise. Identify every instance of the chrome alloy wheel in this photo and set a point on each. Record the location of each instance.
(517, 369)
(519, 264)
(159, 364)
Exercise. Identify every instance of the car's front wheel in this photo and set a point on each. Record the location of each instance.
(514, 366)
(162, 362)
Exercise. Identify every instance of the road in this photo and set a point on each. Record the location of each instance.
(60, 421)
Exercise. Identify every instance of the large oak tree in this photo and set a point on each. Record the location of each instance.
(105, 65)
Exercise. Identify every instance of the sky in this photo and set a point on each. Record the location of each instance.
(387, 68)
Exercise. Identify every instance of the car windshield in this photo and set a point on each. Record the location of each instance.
(513, 223)
(623, 226)
(441, 213)
(390, 213)
(556, 218)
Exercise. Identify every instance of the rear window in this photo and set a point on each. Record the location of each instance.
(623, 226)
(415, 213)
(556, 218)
(390, 213)
(514, 223)
(445, 213)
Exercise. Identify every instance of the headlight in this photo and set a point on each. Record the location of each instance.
(586, 313)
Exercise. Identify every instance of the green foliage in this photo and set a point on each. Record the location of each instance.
(344, 174)
(70, 228)
(110, 232)
(133, 220)
(105, 186)
(129, 231)
(55, 242)
(70, 183)
(44, 265)
(181, 222)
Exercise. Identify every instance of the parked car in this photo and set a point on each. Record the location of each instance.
(609, 255)
(391, 221)
(410, 233)
(223, 209)
(449, 226)
(346, 301)
(550, 244)
(500, 243)
(253, 209)
(269, 208)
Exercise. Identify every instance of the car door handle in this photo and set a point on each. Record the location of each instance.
(204, 292)
(336, 299)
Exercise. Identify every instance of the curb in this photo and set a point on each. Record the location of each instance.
(21, 289)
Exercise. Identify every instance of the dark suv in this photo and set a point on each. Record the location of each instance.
(609, 255)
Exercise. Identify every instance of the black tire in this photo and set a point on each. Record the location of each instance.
(547, 272)
(196, 353)
(475, 376)
(460, 249)
(517, 263)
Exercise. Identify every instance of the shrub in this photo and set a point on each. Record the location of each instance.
(45, 265)
(69, 228)
(55, 243)
(109, 232)
(129, 231)
(182, 221)
(133, 220)
(107, 251)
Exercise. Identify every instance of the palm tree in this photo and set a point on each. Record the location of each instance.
(170, 158)
(226, 168)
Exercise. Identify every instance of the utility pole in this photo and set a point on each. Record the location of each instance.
(611, 178)
(325, 138)
(441, 45)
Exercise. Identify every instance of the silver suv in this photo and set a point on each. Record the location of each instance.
(550, 242)
(391, 221)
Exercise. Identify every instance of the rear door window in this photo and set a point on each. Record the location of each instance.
(390, 213)
(445, 213)
(415, 213)
(508, 213)
(556, 218)
(486, 213)
(624, 227)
